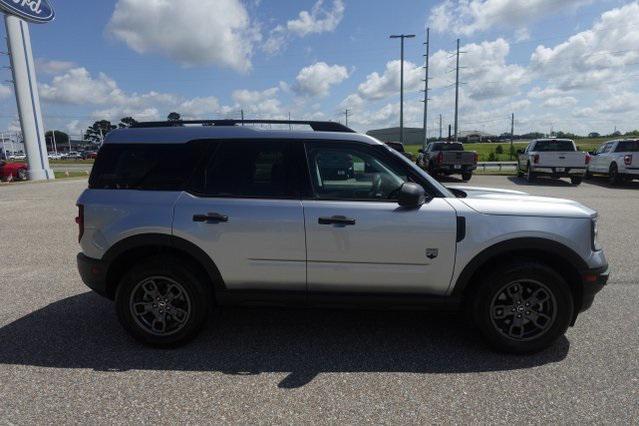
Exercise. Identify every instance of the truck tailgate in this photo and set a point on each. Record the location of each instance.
(562, 159)
(459, 157)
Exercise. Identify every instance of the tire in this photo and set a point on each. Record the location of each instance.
(22, 174)
(530, 175)
(161, 287)
(614, 178)
(512, 293)
(467, 176)
(576, 180)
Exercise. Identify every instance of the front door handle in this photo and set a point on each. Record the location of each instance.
(210, 217)
(336, 220)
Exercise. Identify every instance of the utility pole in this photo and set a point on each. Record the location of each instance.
(426, 69)
(401, 85)
(512, 135)
(346, 115)
(457, 95)
(55, 144)
(242, 112)
(440, 127)
(290, 127)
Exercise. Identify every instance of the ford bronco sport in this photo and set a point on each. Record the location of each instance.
(180, 218)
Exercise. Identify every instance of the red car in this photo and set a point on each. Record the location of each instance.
(13, 171)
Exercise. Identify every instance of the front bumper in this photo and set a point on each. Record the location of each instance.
(93, 274)
(593, 281)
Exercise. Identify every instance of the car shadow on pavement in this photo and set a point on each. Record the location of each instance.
(603, 182)
(540, 182)
(83, 332)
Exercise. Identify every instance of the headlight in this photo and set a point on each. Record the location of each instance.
(594, 234)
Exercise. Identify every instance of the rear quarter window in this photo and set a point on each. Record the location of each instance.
(628, 146)
(148, 166)
(554, 146)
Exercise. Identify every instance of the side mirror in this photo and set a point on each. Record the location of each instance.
(520, 151)
(411, 196)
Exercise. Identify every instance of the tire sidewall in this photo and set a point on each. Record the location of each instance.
(162, 266)
(539, 272)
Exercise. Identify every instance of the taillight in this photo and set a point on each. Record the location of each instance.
(536, 158)
(440, 158)
(80, 221)
(588, 159)
(627, 160)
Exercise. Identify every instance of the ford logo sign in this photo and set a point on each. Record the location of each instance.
(38, 11)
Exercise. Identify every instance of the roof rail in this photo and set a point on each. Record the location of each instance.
(318, 126)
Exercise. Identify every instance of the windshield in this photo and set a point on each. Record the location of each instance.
(555, 145)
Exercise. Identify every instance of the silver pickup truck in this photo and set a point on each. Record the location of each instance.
(555, 158)
(447, 158)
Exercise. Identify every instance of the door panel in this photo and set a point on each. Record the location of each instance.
(385, 250)
(261, 246)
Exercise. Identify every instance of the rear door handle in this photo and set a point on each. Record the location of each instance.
(336, 220)
(210, 217)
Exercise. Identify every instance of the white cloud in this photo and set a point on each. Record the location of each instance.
(317, 79)
(77, 87)
(560, 102)
(191, 32)
(54, 67)
(317, 21)
(596, 58)
(263, 104)
(469, 16)
(381, 86)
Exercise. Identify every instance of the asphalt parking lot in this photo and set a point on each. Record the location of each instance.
(64, 357)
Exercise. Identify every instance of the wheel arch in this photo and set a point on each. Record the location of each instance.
(129, 251)
(554, 254)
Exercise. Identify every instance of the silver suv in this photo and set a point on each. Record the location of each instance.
(180, 218)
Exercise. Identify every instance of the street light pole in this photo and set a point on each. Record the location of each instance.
(401, 85)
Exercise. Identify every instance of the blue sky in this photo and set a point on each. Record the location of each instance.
(568, 65)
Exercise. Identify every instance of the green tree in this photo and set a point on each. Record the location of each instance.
(174, 116)
(98, 130)
(492, 156)
(594, 135)
(499, 150)
(61, 139)
(127, 122)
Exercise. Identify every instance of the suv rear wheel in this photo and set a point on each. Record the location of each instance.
(162, 303)
(523, 307)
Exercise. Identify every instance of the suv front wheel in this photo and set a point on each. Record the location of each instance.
(162, 303)
(523, 307)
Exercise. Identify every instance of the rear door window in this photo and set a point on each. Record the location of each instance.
(255, 169)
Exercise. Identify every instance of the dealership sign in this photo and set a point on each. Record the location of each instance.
(37, 11)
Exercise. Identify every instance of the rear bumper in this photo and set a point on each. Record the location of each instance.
(552, 171)
(93, 274)
(450, 168)
(593, 281)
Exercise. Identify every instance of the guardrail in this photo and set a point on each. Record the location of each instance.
(497, 164)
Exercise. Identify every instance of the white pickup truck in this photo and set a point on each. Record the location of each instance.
(555, 158)
(618, 159)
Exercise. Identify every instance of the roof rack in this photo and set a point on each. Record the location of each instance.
(318, 126)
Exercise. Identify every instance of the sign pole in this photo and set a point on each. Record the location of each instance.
(26, 90)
